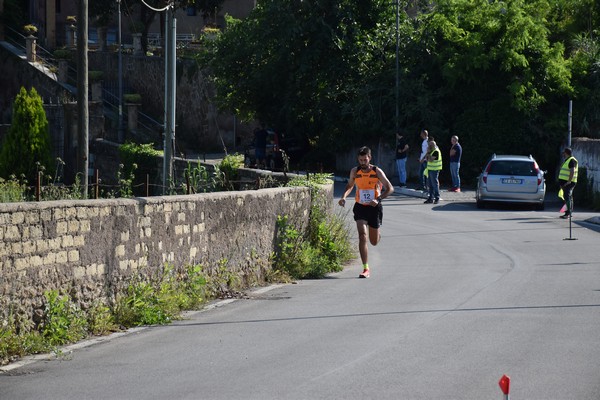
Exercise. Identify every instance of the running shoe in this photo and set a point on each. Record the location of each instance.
(365, 274)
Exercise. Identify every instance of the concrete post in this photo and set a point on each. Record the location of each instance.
(31, 48)
(137, 44)
(63, 70)
(132, 116)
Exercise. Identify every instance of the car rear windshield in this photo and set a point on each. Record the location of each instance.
(522, 168)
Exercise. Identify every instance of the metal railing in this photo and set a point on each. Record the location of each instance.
(147, 125)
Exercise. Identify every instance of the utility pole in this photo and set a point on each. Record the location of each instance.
(82, 95)
(570, 122)
(170, 57)
(397, 68)
(120, 134)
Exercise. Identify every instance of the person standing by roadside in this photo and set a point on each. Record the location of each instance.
(372, 186)
(401, 155)
(567, 179)
(423, 158)
(434, 166)
(455, 154)
(260, 146)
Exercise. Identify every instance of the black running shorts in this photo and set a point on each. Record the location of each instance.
(373, 215)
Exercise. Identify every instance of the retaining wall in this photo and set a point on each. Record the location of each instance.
(89, 247)
(587, 153)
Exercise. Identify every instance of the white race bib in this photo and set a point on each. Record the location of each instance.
(365, 196)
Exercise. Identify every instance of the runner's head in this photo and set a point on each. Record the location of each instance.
(364, 157)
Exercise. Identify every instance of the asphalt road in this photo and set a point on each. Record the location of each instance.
(457, 298)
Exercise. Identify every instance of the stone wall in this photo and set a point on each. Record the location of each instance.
(199, 124)
(587, 152)
(89, 247)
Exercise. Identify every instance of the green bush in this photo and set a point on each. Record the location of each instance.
(230, 165)
(12, 190)
(62, 54)
(142, 159)
(160, 299)
(27, 143)
(64, 321)
(15, 344)
(95, 76)
(132, 98)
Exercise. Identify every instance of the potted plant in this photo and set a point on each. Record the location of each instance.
(95, 76)
(137, 27)
(72, 20)
(62, 54)
(30, 29)
(132, 98)
(95, 79)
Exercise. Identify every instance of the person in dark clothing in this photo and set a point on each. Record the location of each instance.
(260, 146)
(401, 155)
(455, 154)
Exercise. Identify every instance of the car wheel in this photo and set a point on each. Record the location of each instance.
(540, 206)
(480, 204)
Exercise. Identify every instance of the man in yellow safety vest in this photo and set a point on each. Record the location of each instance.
(567, 179)
(434, 166)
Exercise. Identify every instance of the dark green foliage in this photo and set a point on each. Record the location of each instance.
(208, 8)
(26, 147)
(497, 74)
(302, 67)
(138, 161)
(229, 167)
(14, 14)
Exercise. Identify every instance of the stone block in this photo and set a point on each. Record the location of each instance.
(17, 218)
(62, 227)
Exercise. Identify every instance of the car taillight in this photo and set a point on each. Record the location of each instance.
(485, 173)
(539, 174)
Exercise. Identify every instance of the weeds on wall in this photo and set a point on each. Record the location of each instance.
(17, 189)
(152, 300)
(326, 245)
(16, 343)
(230, 165)
(125, 180)
(64, 321)
(147, 300)
(12, 190)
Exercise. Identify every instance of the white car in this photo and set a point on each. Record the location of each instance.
(511, 179)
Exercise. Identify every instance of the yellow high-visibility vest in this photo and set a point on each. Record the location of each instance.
(435, 165)
(565, 171)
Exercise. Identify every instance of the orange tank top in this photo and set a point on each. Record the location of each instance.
(368, 186)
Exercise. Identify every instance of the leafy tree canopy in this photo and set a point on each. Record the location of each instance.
(308, 67)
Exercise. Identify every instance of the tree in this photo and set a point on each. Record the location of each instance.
(315, 69)
(102, 11)
(494, 77)
(28, 140)
(575, 23)
(209, 9)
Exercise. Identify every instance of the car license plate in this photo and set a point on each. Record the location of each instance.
(512, 181)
